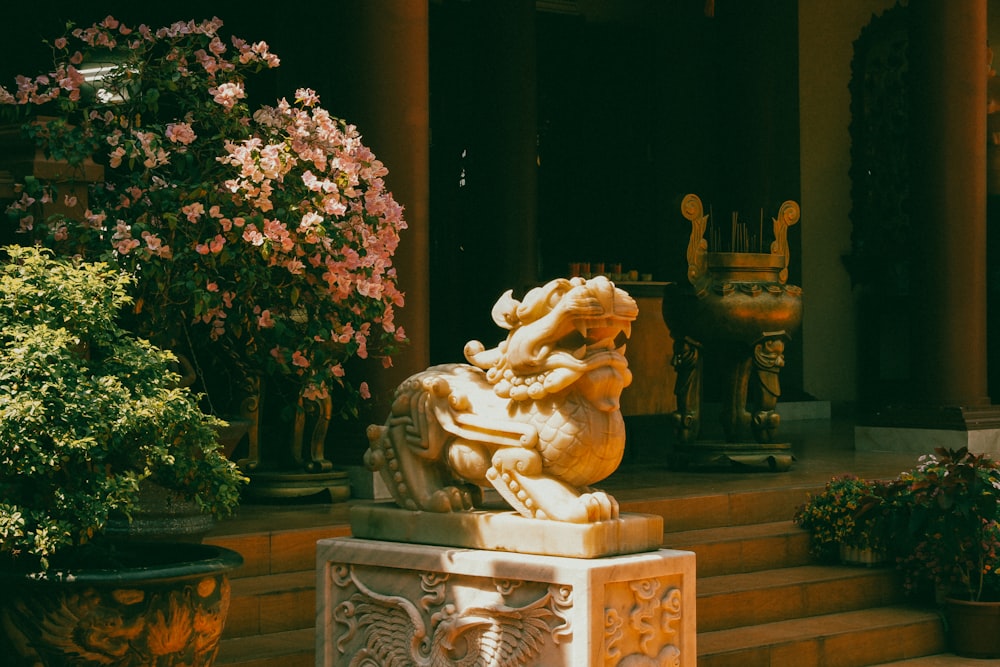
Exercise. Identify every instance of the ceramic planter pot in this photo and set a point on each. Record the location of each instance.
(867, 557)
(973, 628)
(161, 515)
(167, 604)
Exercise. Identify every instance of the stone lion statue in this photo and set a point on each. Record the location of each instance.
(537, 417)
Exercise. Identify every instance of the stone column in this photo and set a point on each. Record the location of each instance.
(950, 405)
(375, 71)
(385, 65)
(948, 65)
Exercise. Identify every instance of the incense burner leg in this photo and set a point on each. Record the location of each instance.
(768, 360)
(735, 418)
(687, 362)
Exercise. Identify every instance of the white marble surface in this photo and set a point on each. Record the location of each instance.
(509, 531)
(925, 440)
(394, 605)
(536, 417)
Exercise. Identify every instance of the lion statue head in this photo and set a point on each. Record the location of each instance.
(565, 332)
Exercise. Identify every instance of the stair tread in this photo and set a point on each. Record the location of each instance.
(797, 629)
(751, 559)
(277, 644)
(731, 533)
(736, 532)
(633, 493)
(269, 583)
(937, 660)
(785, 576)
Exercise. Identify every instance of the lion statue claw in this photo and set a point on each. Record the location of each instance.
(537, 417)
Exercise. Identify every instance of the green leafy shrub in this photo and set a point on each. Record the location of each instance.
(949, 506)
(87, 411)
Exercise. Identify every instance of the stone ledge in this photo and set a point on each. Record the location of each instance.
(925, 440)
(498, 530)
(936, 417)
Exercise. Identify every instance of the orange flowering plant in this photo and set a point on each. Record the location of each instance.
(850, 511)
(939, 522)
(265, 236)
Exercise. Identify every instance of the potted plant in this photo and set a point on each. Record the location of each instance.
(260, 241)
(849, 520)
(950, 550)
(90, 413)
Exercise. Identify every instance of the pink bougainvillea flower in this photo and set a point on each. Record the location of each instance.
(180, 133)
(266, 231)
(298, 359)
(227, 94)
(193, 211)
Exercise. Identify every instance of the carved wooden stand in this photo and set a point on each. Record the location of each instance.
(295, 465)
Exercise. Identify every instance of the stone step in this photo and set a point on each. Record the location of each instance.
(849, 639)
(272, 613)
(278, 551)
(294, 648)
(285, 601)
(723, 509)
(754, 577)
(735, 549)
(272, 603)
(746, 599)
(938, 660)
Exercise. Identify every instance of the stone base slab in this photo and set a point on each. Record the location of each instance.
(918, 441)
(508, 531)
(771, 457)
(394, 605)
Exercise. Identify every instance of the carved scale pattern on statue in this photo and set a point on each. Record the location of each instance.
(537, 417)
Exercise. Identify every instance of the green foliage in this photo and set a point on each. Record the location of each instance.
(948, 504)
(938, 522)
(87, 410)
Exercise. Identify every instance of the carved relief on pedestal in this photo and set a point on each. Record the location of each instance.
(390, 604)
(642, 624)
(432, 619)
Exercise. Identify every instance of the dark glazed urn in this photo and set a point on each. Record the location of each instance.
(973, 628)
(160, 604)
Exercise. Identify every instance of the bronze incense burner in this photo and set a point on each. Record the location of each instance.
(737, 307)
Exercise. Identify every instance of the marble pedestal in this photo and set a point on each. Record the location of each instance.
(394, 604)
